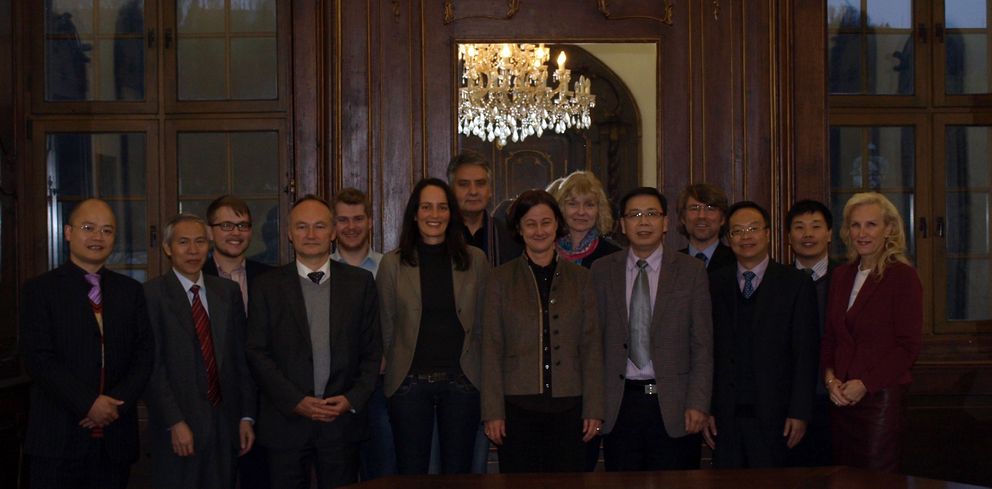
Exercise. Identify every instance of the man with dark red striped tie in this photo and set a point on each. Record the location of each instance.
(85, 341)
(201, 400)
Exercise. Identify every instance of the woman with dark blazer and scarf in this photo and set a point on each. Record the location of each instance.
(873, 335)
(428, 292)
(542, 355)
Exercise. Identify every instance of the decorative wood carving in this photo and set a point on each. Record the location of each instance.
(666, 18)
(512, 7)
(716, 9)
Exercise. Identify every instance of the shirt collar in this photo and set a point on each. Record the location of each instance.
(708, 251)
(244, 263)
(654, 259)
(303, 271)
(371, 259)
(759, 269)
(819, 269)
(187, 283)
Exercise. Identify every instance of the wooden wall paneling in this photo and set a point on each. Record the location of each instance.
(679, 121)
(759, 107)
(350, 159)
(311, 41)
(809, 67)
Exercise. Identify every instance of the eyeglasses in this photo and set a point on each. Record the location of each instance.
(650, 214)
(741, 232)
(106, 231)
(229, 226)
(702, 208)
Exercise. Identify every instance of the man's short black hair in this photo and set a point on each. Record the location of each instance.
(649, 191)
(808, 206)
(747, 204)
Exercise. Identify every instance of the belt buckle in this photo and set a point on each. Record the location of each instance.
(650, 389)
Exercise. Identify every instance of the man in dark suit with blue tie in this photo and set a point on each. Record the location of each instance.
(765, 349)
(201, 400)
(314, 346)
(86, 342)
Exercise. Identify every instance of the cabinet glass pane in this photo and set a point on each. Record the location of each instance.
(87, 64)
(967, 62)
(111, 166)
(227, 50)
(243, 163)
(965, 14)
(870, 47)
(881, 159)
(968, 194)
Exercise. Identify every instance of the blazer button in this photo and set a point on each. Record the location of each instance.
(621, 376)
(552, 301)
(558, 363)
(556, 331)
(624, 346)
(554, 317)
(557, 347)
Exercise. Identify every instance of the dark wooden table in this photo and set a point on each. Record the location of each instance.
(821, 477)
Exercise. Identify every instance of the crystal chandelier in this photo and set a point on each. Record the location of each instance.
(505, 93)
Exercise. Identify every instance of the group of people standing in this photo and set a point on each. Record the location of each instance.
(529, 328)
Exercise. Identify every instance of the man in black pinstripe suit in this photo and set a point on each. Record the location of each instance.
(87, 344)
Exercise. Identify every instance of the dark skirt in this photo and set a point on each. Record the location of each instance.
(868, 434)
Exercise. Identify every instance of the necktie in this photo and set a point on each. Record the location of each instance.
(702, 256)
(96, 298)
(810, 272)
(640, 317)
(202, 322)
(748, 284)
(316, 276)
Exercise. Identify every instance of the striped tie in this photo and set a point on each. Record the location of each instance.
(202, 322)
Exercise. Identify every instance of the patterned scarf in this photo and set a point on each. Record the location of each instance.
(586, 247)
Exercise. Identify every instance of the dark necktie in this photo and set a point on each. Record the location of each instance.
(316, 276)
(810, 272)
(640, 317)
(702, 256)
(748, 284)
(202, 322)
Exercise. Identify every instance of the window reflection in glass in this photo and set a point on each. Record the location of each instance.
(111, 166)
(968, 204)
(873, 158)
(243, 163)
(870, 47)
(87, 64)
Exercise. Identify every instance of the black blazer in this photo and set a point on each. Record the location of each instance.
(722, 256)
(60, 344)
(279, 353)
(785, 344)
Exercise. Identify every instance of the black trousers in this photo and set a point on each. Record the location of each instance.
(639, 441)
(92, 470)
(542, 442)
(745, 442)
(334, 461)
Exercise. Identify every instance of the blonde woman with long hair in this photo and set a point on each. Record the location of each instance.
(873, 335)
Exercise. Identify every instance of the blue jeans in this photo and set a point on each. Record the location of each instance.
(378, 455)
(412, 411)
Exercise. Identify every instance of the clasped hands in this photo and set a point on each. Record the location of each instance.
(846, 393)
(323, 410)
(102, 412)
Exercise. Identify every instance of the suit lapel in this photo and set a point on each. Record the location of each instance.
(219, 310)
(864, 295)
(767, 285)
(618, 275)
(176, 301)
(296, 305)
(667, 285)
(458, 279)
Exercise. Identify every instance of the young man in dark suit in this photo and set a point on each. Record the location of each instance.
(314, 346)
(810, 224)
(201, 400)
(86, 342)
(654, 310)
(702, 212)
(765, 341)
(230, 231)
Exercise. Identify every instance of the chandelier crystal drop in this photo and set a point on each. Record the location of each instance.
(505, 93)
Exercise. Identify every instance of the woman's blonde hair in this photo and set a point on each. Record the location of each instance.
(584, 183)
(894, 247)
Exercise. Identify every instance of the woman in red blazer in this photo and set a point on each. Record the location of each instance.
(873, 335)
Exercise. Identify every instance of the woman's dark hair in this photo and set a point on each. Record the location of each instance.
(454, 237)
(527, 201)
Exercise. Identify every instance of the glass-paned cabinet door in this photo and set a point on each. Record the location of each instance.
(115, 164)
(227, 53)
(963, 215)
(963, 55)
(243, 158)
(98, 56)
(877, 159)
